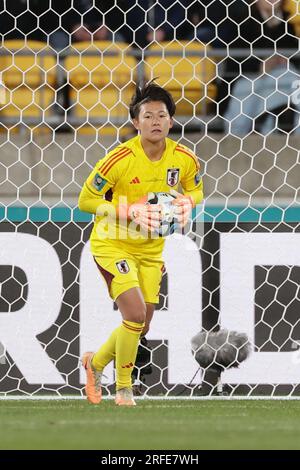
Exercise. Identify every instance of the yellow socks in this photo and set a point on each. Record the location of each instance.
(122, 345)
(126, 350)
(107, 351)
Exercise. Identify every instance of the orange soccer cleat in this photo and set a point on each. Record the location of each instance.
(124, 397)
(93, 379)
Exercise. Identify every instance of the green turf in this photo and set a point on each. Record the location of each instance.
(153, 424)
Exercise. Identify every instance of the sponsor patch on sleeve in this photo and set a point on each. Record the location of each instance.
(197, 178)
(99, 182)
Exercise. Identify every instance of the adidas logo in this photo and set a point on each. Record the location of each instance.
(135, 180)
(127, 366)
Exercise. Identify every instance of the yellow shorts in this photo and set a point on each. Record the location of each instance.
(122, 271)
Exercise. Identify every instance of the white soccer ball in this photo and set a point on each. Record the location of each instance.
(168, 223)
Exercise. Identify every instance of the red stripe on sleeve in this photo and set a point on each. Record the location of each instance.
(179, 149)
(113, 157)
(116, 160)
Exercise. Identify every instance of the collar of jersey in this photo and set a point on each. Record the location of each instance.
(137, 146)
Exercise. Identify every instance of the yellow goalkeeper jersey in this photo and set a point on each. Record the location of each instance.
(125, 175)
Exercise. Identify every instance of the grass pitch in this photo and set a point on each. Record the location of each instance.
(152, 424)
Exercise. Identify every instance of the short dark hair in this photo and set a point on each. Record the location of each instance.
(150, 92)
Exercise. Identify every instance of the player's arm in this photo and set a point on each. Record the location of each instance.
(192, 186)
(196, 194)
(92, 197)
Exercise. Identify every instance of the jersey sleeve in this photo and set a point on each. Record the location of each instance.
(191, 177)
(191, 180)
(104, 176)
(107, 171)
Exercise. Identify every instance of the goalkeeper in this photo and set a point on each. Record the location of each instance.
(127, 254)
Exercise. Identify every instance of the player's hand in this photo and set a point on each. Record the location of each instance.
(184, 205)
(148, 216)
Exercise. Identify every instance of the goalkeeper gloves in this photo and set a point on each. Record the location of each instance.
(184, 205)
(148, 216)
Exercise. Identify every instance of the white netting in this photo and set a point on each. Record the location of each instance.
(68, 70)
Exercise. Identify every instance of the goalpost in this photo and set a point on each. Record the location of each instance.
(63, 106)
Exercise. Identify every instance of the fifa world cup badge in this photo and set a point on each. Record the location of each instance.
(99, 182)
(197, 178)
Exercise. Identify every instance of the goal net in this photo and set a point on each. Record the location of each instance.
(68, 70)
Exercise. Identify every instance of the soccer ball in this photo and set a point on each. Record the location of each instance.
(168, 223)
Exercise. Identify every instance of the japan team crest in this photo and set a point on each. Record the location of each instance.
(123, 266)
(172, 176)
